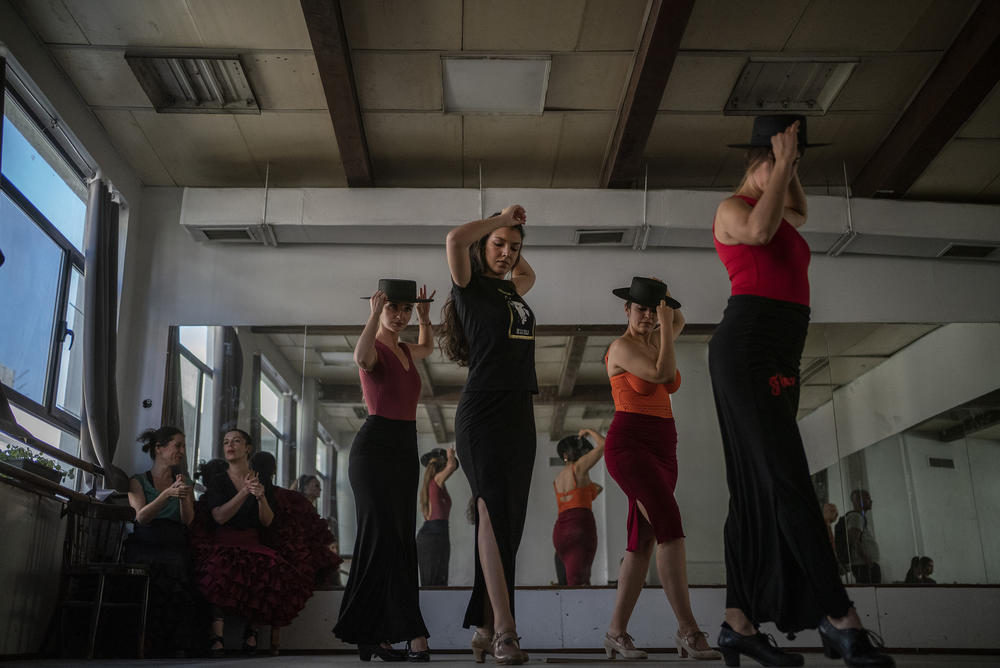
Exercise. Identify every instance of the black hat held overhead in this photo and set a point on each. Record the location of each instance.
(646, 292)
(436, 453)
(399, 291)
(765, 127)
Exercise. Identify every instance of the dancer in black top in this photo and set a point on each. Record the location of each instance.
(488, 326)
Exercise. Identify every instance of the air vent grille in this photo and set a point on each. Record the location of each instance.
(228, 234)
(941, 463)
(968, 251)
(360, 412)
(599, 237)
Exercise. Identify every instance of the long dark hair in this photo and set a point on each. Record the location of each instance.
(451, 336)
(434, 466)
(154, 438)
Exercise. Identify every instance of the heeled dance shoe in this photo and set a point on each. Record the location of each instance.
(623, 646)
(249, 633)
(686, 647)
(481, 646)
(417, 656)
(366, 652)
(854, 645)
(216, 652)
(506, 649)
(759, 647)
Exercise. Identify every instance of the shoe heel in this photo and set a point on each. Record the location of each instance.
(610, 653)
(731, 656)
(478, 655)
(828, 649)
(681, 651)
(365, 653)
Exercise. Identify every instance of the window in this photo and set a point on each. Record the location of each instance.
(277, 409)
(196, 353)
(42, 217)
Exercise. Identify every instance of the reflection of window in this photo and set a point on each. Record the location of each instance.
(42, 215)
(276, 412)
(196, 391)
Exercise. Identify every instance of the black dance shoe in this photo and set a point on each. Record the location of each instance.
(249, 633)
(759, 647)
(422, 656)
(366, 652)
(216, 652)
(854, 645)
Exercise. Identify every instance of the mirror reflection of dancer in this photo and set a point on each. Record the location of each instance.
(641, 455)
(779, 565)
(381, 601)
(487, 326)
(575, 533)
(433, 539)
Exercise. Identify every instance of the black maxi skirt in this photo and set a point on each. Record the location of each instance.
(381, 601)
(495, 442)
(434, 553)
(779, 564)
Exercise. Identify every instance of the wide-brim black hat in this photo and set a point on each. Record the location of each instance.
(399, 290)
(646, 292)
(436, 453)
(765, 127)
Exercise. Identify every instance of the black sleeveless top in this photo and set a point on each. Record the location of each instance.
(500, 329)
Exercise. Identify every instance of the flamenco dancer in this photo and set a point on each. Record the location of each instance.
(381, 603)
(575, 532)
(779, 565)
(641, 455)
(488, 326)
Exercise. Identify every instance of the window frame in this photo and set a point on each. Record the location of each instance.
(203, 371)
(72, 258)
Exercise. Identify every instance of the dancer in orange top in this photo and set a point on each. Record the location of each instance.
(641, 455)
(575, 532)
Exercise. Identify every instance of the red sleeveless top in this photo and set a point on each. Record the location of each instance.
(777, 270)
(439, 500)
(390, 390)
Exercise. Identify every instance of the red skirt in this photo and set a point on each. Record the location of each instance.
(575, 539)
(641, 456)
(241, 575)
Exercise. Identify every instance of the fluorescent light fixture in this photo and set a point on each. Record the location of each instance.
(194, 84)
(336, 357)
(494, 85)
(773, 85)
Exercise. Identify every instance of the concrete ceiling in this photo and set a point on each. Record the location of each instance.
(834, 355)
(394, 50)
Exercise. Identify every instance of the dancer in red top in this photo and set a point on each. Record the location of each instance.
(381, 601)
(433, 539)
(575, 532)
(641, 455)
(779, 565)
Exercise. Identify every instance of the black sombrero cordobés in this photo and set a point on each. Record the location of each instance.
(646, 292)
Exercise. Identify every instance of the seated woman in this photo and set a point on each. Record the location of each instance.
(309, 486)
(238, 573)
(164, 507)
(575, 532)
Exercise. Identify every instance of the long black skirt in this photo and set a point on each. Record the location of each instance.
(381, 601)
(434, 553)
(495, 442)
(780, 566)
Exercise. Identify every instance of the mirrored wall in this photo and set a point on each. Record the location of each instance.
(900, 422)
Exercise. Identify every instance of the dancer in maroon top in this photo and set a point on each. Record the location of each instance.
(433, 539)
(381, 601)
(779, 565)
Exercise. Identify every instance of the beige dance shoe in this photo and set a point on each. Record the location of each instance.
(623, 646)
(481, 646)
(507, 651)
(686, 647)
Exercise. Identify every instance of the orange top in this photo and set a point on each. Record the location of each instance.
(579, 497)
(635, 395)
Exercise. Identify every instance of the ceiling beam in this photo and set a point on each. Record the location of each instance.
(567, 380)
(350, 393)
(325, 22)
(967, 73)
(436, 416)
(654, 59)
(426, 384)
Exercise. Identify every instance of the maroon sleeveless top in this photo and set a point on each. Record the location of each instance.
(777, 270)
(439, 501)
(390, 390)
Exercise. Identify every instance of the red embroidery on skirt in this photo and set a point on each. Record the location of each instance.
(778, 382)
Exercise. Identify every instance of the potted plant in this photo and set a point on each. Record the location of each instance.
(33, 462)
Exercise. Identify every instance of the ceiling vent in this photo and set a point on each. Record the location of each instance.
(195, 85)
(491, 85)
(771, 85)
(940, 463)
(235, 234)
(966, 251)
(599, 237)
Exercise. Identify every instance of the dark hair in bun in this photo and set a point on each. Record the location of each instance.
(154, 438)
